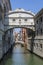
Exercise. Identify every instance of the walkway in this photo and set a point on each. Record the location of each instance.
(20, 56)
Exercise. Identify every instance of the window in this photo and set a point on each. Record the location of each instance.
(41, 30)
(37, 22)
(40, 19)
(40, 45)
(13, 19)
(25, 19)
(19, 19)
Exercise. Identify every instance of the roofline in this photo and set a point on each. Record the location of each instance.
(10, 4)
(21, 12)
(39, 13)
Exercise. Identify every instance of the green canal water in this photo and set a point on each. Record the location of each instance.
(20, 56)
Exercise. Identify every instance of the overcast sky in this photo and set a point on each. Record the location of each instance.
(33, 5)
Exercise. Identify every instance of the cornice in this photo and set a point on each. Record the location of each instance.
(14, 12)
(19, 17)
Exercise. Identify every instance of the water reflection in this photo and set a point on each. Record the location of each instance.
(20, 56)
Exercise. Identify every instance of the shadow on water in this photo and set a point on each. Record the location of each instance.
(6, 57)
(35, 60)
(31, 60)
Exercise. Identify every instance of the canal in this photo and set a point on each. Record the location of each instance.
(20, 56)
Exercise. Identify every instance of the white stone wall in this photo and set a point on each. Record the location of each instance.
(20, 19)
(17, 18)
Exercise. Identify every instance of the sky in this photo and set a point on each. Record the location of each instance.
(32, 5)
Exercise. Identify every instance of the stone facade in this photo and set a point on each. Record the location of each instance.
(4, 7)
(38, 42)
(8, 38)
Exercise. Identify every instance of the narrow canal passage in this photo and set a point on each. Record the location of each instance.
(20, 56)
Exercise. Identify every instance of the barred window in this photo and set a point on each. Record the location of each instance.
(13, 19)
(40, 45)
(25, 19)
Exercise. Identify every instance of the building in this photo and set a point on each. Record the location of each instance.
(4, 7)
(38, 46)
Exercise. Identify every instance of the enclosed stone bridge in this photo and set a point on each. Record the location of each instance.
(19, 18)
